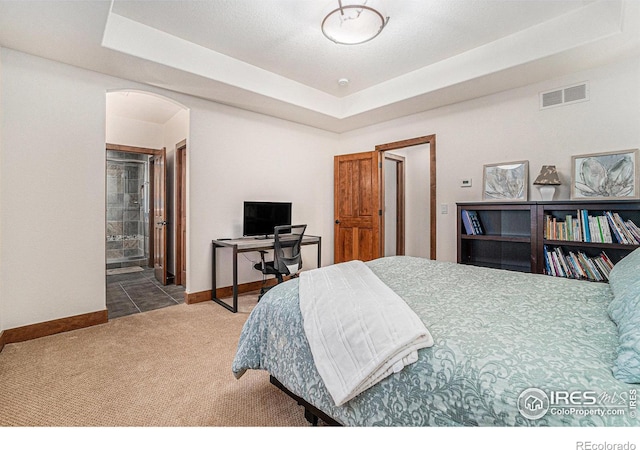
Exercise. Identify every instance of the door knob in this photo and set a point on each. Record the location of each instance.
(337, 222)
(164, 222)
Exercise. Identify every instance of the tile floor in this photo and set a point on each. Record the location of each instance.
(131, 293)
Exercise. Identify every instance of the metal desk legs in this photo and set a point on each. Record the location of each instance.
(233, 308)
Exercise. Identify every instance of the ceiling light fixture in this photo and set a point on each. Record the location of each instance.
(353, 22)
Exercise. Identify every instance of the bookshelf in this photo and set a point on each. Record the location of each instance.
(508, 236)
(595, 235)
(532, 236)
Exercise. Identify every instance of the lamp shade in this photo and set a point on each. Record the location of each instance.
(548, 176)
(353, 22)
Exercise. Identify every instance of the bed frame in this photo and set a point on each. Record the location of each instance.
(311, 413)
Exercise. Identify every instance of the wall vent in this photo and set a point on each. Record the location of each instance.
(564, 96)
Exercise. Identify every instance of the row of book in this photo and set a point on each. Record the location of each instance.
(606, 228)
(576, 265)
(471, 222)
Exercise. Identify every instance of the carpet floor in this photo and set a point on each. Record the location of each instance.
(163, 368)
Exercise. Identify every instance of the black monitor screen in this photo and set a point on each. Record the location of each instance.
(260, 218)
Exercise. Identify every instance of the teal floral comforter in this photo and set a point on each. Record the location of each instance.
(497, 334)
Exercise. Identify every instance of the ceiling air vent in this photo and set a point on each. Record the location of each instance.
(564, 96)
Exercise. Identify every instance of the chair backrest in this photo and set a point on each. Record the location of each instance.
(287, 257)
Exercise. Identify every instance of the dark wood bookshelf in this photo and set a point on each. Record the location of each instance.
(514, 237)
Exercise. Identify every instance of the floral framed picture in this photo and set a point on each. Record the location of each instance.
(605, 176)
(506, 181)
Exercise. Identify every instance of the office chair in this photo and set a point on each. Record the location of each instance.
(287, 257)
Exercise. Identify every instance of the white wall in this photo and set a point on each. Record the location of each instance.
(52, 173)
(52, 179)
(244, 156)
(510, 126)
(135, 133)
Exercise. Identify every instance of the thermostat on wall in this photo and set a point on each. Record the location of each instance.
(465, 182)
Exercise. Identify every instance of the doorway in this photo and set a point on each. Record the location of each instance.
(394, 204)
(413, 196)
(181, 213)
(420, 192)
(359, 219)
(136, 232)
(145, 123)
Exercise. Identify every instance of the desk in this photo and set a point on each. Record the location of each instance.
(244, 245)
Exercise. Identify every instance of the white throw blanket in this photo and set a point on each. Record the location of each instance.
(358, 329)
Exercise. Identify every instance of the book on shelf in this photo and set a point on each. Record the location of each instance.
(576, 265)
(471, 222)
(605, 228)
(466, 220)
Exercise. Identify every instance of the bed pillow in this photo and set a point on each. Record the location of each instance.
(624, 310)
(624, 278)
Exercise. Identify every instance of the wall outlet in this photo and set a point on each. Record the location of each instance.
(465, 182)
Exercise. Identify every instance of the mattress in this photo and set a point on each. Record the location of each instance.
(510, 349)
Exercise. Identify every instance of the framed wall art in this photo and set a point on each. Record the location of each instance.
(605, 176)
(506, 181)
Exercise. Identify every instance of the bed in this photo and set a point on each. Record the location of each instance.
(496, 335)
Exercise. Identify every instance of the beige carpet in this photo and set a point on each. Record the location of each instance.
(168, 367)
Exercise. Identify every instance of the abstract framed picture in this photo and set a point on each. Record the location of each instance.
(605, 176)
(506, 181)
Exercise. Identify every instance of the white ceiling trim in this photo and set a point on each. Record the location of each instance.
(136, 39)
(592, 23)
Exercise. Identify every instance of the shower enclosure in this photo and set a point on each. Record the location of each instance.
(127, 209)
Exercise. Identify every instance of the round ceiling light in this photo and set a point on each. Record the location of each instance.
(353, 24)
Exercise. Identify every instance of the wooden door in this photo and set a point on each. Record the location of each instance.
(181, 214)
(357, 209)
(159, 162)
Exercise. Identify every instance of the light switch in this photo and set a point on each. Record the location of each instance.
(444, 208)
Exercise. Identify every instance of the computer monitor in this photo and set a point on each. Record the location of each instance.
(260, 218)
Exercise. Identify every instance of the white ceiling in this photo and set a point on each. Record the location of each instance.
(270, 56)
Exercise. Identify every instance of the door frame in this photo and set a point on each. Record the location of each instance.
(431, 140)
(144, 151)
(181, 205)
(160, 221)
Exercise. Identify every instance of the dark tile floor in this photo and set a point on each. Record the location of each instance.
(131, 293)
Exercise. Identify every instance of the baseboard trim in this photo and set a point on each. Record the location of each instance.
(38, 330)
(227, 291)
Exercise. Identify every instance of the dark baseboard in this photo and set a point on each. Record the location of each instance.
(38, 330)
(224, 292)
(48, 328)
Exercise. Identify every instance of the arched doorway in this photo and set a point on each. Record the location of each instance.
(144, 134)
